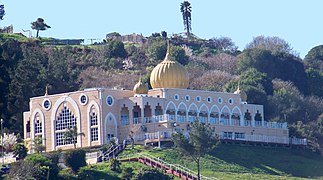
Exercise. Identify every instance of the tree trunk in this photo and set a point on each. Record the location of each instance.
(198, 169)
(74, 145)
(37, 33)
(187, 27)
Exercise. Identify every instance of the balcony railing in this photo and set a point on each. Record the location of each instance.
(211, 120)
(239, 137)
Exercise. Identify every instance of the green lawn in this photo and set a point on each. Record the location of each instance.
(248, 162)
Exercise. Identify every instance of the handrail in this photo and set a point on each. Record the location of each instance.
(176, 167)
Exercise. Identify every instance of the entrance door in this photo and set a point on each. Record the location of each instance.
(110, 128)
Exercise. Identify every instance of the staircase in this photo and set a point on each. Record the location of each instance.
(157, 163)
(112, 152)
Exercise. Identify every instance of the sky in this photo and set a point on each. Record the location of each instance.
(298, 22)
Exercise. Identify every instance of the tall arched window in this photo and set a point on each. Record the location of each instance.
(64, 121)
(94, 126)
(38, 125)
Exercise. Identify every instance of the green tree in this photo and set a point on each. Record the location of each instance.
(157, 51)
(39, 25)
(2, 11)
(20, 150)
(178, 54)
(127, 173)
(201, 141)
(75, 159)
(164, 34)
(44, 166)
(71, 135)
(38, 144)
(186, 11)
(114, 164)
(314, 58)
(149, 174)
(23, 170)
(272, 44)
(315, 81)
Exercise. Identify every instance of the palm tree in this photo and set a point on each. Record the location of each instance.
(71, 135)
(38, 144)
(2, 11)
(186, 10)
(39, 25)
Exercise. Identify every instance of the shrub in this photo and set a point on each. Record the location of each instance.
(114, 164)
(20, 150)
(151, 174)
(75, 159)
(67, 174)
(127, 173)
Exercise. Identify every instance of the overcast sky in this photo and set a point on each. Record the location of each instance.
(299, 22)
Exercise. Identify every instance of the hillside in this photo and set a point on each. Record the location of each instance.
(231, 161)
(268, 70)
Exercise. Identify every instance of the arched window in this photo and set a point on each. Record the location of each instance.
(38, 125)
(65, 120)
(94, 126)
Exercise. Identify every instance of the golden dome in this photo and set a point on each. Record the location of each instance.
(140, 88)
(169, 74)
(243, 94)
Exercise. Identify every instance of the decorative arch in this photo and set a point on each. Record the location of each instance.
(42, 117)
(76, 113)
(97, 108)
(236, 109)
(225, 108)
(107, 117)
(216, 108)
(203, 106)
(193, 105)
(170, 104)
(180, 105)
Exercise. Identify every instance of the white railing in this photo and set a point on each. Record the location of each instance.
(225, 121)
(211, 120)
(298, 141)
(258, 138)
(181, 118)
(247, 123)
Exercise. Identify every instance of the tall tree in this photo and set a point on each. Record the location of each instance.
(2, 11)
(72, 134)
(39, 25)
(201, 140)
(186, 10)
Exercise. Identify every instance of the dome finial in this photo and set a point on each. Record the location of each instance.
(46, 90)
(167, 52)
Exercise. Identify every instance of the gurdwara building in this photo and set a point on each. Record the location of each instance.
(147, 115)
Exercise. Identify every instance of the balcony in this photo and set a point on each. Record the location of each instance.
(211, 120)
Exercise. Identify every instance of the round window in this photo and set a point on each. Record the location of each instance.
(176, 97)
(230, 101)
(187, 98)
(110, 100)
(47, 104)
(209, 99)
(220, 100)
(198, 98)
(83, 99)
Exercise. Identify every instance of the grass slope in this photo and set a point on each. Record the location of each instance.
(249, 162)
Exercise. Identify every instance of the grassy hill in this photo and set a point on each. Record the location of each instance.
(249, 162)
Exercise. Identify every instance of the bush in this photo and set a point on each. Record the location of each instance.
(75, 159)
(152, 174)
(44, 165)
(67, 174)
(127, 173)
(20, 150)
(114, 164)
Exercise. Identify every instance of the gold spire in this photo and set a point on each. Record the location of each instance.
(46, 90)
(242, 94)
(140, 88)
(167, 52)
